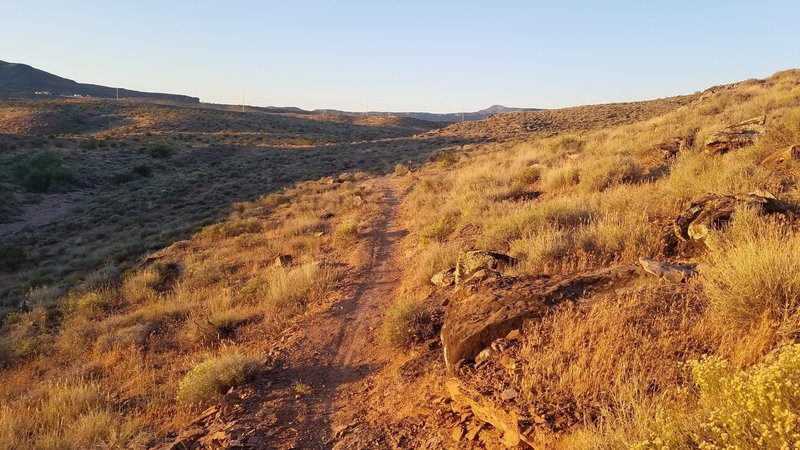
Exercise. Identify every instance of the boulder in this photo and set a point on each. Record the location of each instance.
(675, 273)
(472, 261)
(444, 278)
(477, 314)
(783, 157)
(713, 211)
(742, 134)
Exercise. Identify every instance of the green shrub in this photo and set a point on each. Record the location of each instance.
(12, 258)
(407, 321)
(215, 376)
(43, 171)
(159, 150)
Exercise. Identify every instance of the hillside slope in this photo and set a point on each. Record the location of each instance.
(23, 81)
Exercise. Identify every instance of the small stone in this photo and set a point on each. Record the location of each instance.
(514, 335)
(509, 394)
(458, 433)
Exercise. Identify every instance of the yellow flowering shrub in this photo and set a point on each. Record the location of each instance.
(755, 408)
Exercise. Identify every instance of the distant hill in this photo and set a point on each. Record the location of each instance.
(447, 117)
(24, 81)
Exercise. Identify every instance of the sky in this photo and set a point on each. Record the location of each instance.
(437, 56)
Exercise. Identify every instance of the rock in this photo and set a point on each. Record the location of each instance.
(472, 261)
(782, 157)
(283, 261)
(514, 335)
(742, 134)
(444, 278)
(672, 147)
(458, 433)
(675, 273)
(713, 211)
(489, 412)
(473, 431)
(509, 394)
(477, 314)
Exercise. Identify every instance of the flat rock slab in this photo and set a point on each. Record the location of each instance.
(477, 313)
(783, 157)
(742, 134)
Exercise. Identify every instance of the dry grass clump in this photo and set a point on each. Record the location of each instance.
(612, 355)
(74, 414)
(754, 273)
(407, 321)
(432, 259)
(561, 177)
(603, 173)
(282, 289)
(215, 376)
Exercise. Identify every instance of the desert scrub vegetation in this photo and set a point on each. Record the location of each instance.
(214, 376)
(68, 414)
(753, 273)
(628, 370)
(44, 171)
(186, 323)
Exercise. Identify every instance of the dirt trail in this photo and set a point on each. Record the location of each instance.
(323, 375)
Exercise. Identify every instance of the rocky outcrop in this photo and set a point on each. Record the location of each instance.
(473, 261)
(675, 273)
(783, 157)
(742, 134)
(713, 211)
(477, 313)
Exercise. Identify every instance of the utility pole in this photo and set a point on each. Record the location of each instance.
(242, 103)
(117, 93)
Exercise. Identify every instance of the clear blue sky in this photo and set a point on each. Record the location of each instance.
(404, 55)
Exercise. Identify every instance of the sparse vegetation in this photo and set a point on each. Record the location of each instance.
(44, 171)
(214, 376)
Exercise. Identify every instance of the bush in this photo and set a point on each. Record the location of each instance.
(215, 376)
(407, 321)
(44, 171)
(12, 258)
(159, 150)
(755, 408)
(400, 169)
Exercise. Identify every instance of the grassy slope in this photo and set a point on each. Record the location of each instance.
(610, 375)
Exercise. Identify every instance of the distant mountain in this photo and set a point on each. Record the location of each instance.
(445, 117)
(24, 81)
